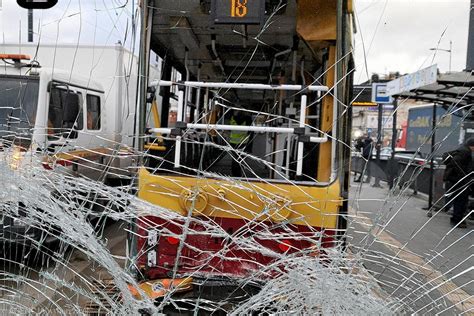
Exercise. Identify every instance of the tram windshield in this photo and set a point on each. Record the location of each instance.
(238, 135)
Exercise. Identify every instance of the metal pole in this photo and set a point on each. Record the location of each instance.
(290, 123)
(379, 145)
(470, 40)
(299, 163)
(394, 141)
(187, 89)
(249, 86)
(245, 128)
(181, 106)
(141, 107)
(165, 93)
(338, 107)
(197, 110)
(433, 142)
(340, 166)
(30, 25)
(144, 62)
(450, 54)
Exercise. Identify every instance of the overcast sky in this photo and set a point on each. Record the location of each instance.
(395, 35)
(100, 22)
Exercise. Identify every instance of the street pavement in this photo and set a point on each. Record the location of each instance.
(421, 261)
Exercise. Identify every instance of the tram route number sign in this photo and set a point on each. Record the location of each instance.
(238, 11)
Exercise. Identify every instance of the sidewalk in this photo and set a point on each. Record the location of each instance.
(403, 238)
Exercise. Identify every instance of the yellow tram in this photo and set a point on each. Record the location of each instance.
(245, 137)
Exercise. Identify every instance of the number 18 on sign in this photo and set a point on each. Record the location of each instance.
(238, 11)
(239, 8)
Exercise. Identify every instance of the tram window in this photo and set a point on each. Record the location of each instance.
(93, 112)
(65, 113)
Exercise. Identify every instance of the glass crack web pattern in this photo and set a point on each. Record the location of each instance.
(93, 224)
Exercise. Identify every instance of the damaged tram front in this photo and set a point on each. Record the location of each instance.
(245, 142)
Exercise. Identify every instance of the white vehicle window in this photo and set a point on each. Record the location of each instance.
(93, 112)
(65, 113)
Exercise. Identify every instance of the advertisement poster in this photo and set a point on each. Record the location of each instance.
(419, 129)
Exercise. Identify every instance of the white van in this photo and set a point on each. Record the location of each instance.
(75, 105)
(70, 108)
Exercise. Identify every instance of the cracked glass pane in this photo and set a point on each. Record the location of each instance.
(205, 157)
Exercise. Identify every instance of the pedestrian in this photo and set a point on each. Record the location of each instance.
(458, 179)
(366, 145)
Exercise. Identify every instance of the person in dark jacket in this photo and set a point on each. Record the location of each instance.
(458, 178)
(366, 144)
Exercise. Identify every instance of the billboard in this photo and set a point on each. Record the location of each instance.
(419, 127)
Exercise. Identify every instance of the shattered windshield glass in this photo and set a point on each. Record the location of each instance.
(265, 157)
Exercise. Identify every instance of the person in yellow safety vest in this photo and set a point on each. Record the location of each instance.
(239, 140)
